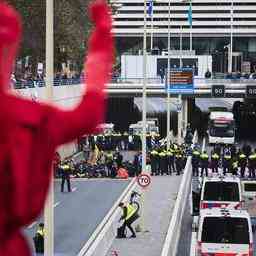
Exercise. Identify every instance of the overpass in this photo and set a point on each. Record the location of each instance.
(133, 88)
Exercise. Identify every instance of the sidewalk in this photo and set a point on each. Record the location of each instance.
(159, 203)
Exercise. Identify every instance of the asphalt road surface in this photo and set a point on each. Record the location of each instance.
(77, 214)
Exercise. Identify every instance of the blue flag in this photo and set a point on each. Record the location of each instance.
(150, 7)
(190, 14)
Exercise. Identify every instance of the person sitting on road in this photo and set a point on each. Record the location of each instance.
(130, 215)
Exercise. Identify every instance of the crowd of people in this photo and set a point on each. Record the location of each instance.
(168, 162)
(227, 159)
(119, 141)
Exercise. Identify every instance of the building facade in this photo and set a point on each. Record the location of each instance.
(212, 24)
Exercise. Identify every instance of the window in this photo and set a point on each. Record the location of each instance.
(221, 191)
(225, 230)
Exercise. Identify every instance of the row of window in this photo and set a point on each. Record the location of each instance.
(187, 27)
(185, 11)
(185, 19)
(194, 4)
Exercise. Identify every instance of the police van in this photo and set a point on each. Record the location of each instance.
(223, 231)
(221, 191)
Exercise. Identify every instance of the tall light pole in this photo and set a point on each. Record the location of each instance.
(144, 106)
(230, 63)
(168, 77)
(49, 209)
(180, 97)
(191, 29)
(152, 26)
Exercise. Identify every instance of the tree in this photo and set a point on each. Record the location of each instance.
(71, 27)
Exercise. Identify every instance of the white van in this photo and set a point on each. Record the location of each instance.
(224, 232)
(221, 191)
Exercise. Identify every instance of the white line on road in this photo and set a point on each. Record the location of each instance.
(32, 224)
(193, 244)
(56, 204)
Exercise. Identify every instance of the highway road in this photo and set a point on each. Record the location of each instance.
(77, 214)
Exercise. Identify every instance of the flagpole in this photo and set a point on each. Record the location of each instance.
(168, 78)
(152, 26)
(231, 38)
(190, 39)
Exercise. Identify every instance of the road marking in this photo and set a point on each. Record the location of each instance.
(193, 244)
(56, 204)
(74, 189)
(32, 224)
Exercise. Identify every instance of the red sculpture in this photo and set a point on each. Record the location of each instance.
(31, 131)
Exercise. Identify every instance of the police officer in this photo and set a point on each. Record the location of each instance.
(252, 164)
(204, 163)
(66, 171)
(154, 162)
(170, 161)
(162, 162)
(226, 163)
(215, 161)
(178, 162)
(242, 161)
(39, 239)
(234, 166)
(129, 216)
(109, 160)
(195, 162)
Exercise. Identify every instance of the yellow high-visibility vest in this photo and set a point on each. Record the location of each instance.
(215, 156)
(130, 211)
(242, 156)
(41, 232)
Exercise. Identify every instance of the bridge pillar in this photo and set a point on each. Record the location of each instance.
(185, 115)
(180, 119)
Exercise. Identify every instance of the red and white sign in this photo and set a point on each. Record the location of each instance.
(143, 180)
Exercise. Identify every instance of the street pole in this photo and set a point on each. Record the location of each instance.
(49, 209)
(144, 110)
(190, 32)
(168, 78)
(231, 38)
(180, 98)
(152, 27)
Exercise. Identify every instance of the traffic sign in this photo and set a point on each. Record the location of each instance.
(218, 91)
(180, 81)
(143, 180)
(250, 91)
(179, 107)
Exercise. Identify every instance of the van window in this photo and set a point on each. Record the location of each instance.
(221, 191)
(225, 230)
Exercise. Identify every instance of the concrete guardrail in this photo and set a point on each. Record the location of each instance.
(173, 234)
(102, 238)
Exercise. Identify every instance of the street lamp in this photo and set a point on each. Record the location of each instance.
(49, 209)
(168, 77)
(144, 96)
(231, 37)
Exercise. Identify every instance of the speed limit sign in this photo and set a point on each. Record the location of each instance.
(218, 91)
(250, 91)
(143, 180)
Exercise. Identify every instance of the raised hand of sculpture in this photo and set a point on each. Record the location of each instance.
(30, 131)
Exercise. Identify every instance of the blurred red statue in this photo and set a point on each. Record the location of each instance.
(30, 131)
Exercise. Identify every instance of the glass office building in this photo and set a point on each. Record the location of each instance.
(213, 21)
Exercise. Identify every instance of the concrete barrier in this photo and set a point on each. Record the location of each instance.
(102, 238)
(173, 233)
